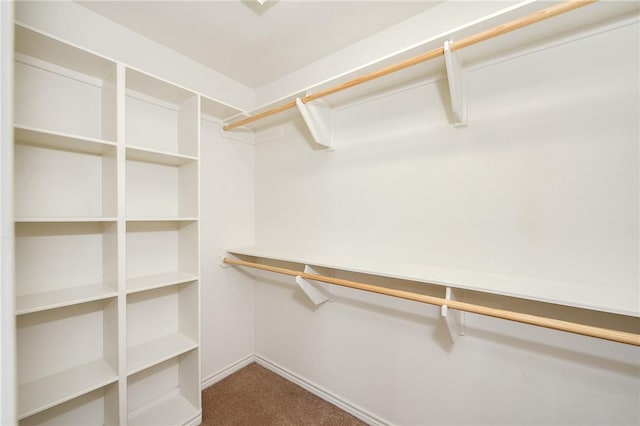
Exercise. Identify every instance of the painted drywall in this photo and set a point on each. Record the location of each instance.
(80, 26)
(543, 183)
(226, 218)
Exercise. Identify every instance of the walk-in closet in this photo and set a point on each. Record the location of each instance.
(414, 212)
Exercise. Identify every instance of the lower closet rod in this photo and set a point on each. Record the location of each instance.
(585, 330)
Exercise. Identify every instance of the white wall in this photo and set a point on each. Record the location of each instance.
(7, 318)
(226, 219)
(542, 184)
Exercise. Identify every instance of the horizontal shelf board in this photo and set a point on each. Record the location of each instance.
(25, 135)
(57, 388)
(35, 302)
(64, 219)
(165, 279)
(159, 350)
(171, 410)
(158, 157)
(548, 291)
(162, 219)
(156, 88)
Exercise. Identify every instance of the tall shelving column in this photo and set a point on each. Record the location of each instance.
(162, 290)
(107, 241)
(66, 233)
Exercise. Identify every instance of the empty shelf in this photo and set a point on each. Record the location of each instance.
(166, 411)
(34, 302)
(61, 141)
(164, 279)
(159, 350)
(48, 391)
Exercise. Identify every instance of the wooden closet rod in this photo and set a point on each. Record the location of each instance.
(533, 18)
(585, 330)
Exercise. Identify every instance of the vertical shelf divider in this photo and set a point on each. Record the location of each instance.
(198, 114)
(122, 244)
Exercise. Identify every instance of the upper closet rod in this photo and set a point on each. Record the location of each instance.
(538, 16)
(585, 330)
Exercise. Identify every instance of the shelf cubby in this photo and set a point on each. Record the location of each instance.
(47, 170)
(161, 185)
(98, 407)
(64, 263)
(80, 343)
(63, 88)
(161, 324)
(160, 251)
(167, 393)
(161, 116)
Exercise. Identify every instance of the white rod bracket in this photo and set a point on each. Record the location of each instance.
(318, 293)
(242, 130)
(318, 117)
(239, 134)
(454, 319)
(457, 86)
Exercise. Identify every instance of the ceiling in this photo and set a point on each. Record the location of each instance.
(257, 43)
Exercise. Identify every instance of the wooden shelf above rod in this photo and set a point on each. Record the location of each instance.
(516, 24)
(582, 329)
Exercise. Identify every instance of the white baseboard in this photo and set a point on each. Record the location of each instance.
(227, 371)
(195, 421)
(320, 392)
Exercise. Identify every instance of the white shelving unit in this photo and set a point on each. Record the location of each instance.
(107, 244)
